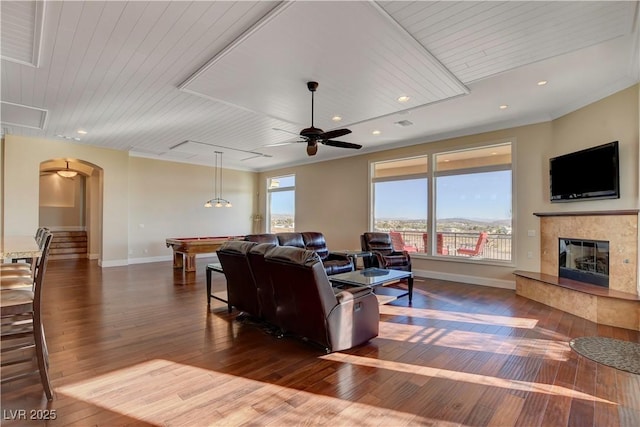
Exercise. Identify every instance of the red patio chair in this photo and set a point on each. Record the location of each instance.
(467, 250)
(440, 247)
(398, 243)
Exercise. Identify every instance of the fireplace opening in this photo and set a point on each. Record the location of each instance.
(585, 261)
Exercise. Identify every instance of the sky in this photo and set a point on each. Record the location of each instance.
(474, 196)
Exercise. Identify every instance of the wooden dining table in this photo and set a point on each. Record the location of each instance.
(19, 247)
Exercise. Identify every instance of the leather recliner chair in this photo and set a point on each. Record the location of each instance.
(262, 238)
(309, 307)
(333, 263)
(311, 240)
(380, 245)
(241, 288)
(262, 278)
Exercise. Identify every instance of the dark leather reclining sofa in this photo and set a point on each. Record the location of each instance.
(288, 287)
(311, 240)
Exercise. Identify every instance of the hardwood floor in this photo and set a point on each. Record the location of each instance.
(137, 345)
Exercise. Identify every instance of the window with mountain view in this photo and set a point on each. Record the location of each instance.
(281, 198)
(473, 202)
(400, 199)
(470, 200)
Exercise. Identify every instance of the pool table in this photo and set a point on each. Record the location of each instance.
(188, 247)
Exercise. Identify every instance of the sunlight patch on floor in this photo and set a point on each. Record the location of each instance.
(453, 316)
(475, 341)
(163, 392)
(485, 380)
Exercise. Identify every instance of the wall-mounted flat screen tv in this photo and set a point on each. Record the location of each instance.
(593, 173)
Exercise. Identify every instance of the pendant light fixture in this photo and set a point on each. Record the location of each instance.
(67, 173)
(217, 200)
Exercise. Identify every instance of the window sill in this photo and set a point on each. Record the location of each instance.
(464, 260)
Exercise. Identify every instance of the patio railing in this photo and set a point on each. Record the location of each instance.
(498, 246)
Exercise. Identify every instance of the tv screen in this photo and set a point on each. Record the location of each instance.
(587, 174)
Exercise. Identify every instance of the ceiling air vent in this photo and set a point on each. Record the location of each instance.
(403, 123)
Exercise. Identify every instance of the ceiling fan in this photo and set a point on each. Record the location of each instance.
(312, 135)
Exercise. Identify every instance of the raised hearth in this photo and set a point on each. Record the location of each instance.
(619, 304)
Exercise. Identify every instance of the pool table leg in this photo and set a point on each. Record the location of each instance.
(178, 260)
(190, 264)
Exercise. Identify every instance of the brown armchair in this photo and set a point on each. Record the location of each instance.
(384, 256)
(308, 306)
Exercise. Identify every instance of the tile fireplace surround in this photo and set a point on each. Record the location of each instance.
(617, 306)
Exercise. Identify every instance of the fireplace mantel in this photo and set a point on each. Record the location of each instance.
(588, 213)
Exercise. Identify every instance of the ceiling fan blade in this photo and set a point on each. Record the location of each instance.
(337, 133)
(342, 144)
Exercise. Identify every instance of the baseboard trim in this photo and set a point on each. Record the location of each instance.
(131, 261)
(150, 259)
(113, 263)
(472, 280)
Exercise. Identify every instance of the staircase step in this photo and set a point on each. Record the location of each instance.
(67, 244)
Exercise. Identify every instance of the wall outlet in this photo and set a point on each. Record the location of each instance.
(529, 254)
(531, 233)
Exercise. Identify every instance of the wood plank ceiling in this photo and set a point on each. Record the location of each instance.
(148, 76)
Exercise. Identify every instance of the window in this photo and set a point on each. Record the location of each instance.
(459, 207)
(400, 194)
(281, 197)
(473, 202)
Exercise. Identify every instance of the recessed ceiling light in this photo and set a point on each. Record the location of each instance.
(81, 131)
(336, 118)
(403, 98)
(504, 106)
(542, 82)
(376, 132)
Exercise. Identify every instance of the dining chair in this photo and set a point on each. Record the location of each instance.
(26, 267)
(20, 276)
(22, 332)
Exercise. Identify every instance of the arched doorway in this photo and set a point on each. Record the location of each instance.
(71, 206)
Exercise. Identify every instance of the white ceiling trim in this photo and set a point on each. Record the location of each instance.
(204, 148)
(23, 115)
(391, 56)
(27, 39)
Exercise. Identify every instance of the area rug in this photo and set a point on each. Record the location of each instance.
(623, 355)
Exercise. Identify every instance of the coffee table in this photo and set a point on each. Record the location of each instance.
(375, 278)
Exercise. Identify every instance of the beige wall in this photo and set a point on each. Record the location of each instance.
(333, 197)
(173, 205)
(62, 202)
(21, 190)
(167, 198)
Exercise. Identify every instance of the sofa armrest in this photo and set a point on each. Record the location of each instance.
(335, 256)
(355, 292)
